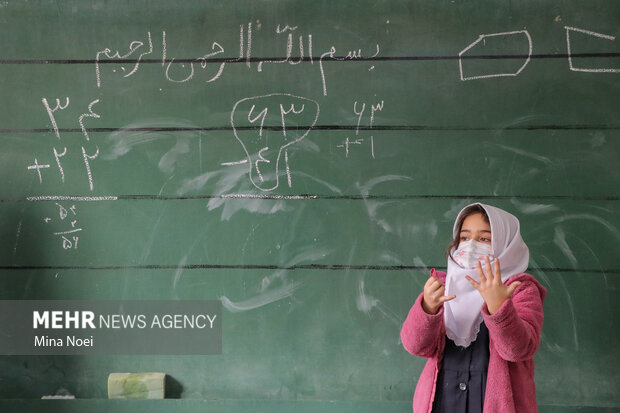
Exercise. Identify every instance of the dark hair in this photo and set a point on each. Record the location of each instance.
(470, 210)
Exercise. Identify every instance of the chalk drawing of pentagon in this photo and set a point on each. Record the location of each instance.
(266, 127)
(496, 55)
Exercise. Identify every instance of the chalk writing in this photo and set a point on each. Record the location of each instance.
(347, 142)
(90, 114)
(252, 118)
(483, 39)
(51, 111)
(264, 149)
(289, 48)
(68, 216)
(202, 61)
(245, 47)
(359, 111)
(351, 55)
(87, 155)
(570, 54)
(184, 70)
(71, 198)
(134, 46)
(37, 167)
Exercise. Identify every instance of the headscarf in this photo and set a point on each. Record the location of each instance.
(463, 314)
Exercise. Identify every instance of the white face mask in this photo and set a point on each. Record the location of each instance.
(469, 253)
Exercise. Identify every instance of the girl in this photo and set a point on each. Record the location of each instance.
(478, 333)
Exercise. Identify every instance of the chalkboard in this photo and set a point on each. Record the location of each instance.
(303, 163)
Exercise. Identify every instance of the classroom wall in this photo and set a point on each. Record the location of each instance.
(303, 162)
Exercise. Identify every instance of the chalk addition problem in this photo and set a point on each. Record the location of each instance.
(88, 151)
(360, 112)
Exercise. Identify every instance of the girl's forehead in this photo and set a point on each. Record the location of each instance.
(476, 221)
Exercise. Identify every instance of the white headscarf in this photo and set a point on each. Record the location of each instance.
(463, 315)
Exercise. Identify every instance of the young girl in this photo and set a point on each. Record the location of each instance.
(479, 325)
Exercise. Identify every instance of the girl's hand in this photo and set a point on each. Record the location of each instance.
(434, 296)
(491, 288)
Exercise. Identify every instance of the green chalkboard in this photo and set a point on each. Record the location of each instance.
(303, 163)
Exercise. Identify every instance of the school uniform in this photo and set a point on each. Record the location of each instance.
(462, 378)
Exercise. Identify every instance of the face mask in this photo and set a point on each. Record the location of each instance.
(469, 253)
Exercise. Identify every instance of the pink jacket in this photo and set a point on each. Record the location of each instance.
(514, 337)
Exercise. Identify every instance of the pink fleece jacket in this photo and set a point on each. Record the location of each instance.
(514, 337)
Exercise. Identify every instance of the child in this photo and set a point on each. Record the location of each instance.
(479, 325)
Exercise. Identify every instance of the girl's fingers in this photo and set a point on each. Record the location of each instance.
(435, 290)
(440, 293)
(431, 287)
(512, 287)
(434, 287)
(430, 282)
(472, 282)
(440, 296)
(481, 275)
(498, 274)
(487, 266)
(447, 298)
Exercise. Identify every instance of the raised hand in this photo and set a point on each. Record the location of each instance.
(434, 295)
(491, 288)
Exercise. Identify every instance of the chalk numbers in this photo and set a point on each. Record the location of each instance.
(65, 217)
(267, 127)
(82, 150)
(86, 150)
(362, 111)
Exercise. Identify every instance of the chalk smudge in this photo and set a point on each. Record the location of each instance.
(168, 161)
(455, 209)
(526, 154)
(178, 272)
(540, 273)
(572, 312)
(146, 249)
(125, 139)
(365, 189)
(390, 258)
(268, 294)
(366, 303)
(260, 300)
(560, 240)
(196, 183)
(226, 182)
(17, 235)
(571, 308)
(589, 217)
(533, 209)
(372, 206)
(552, 347)
(597, 140)
(307, 256)
(326, 184)
(418, 262)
